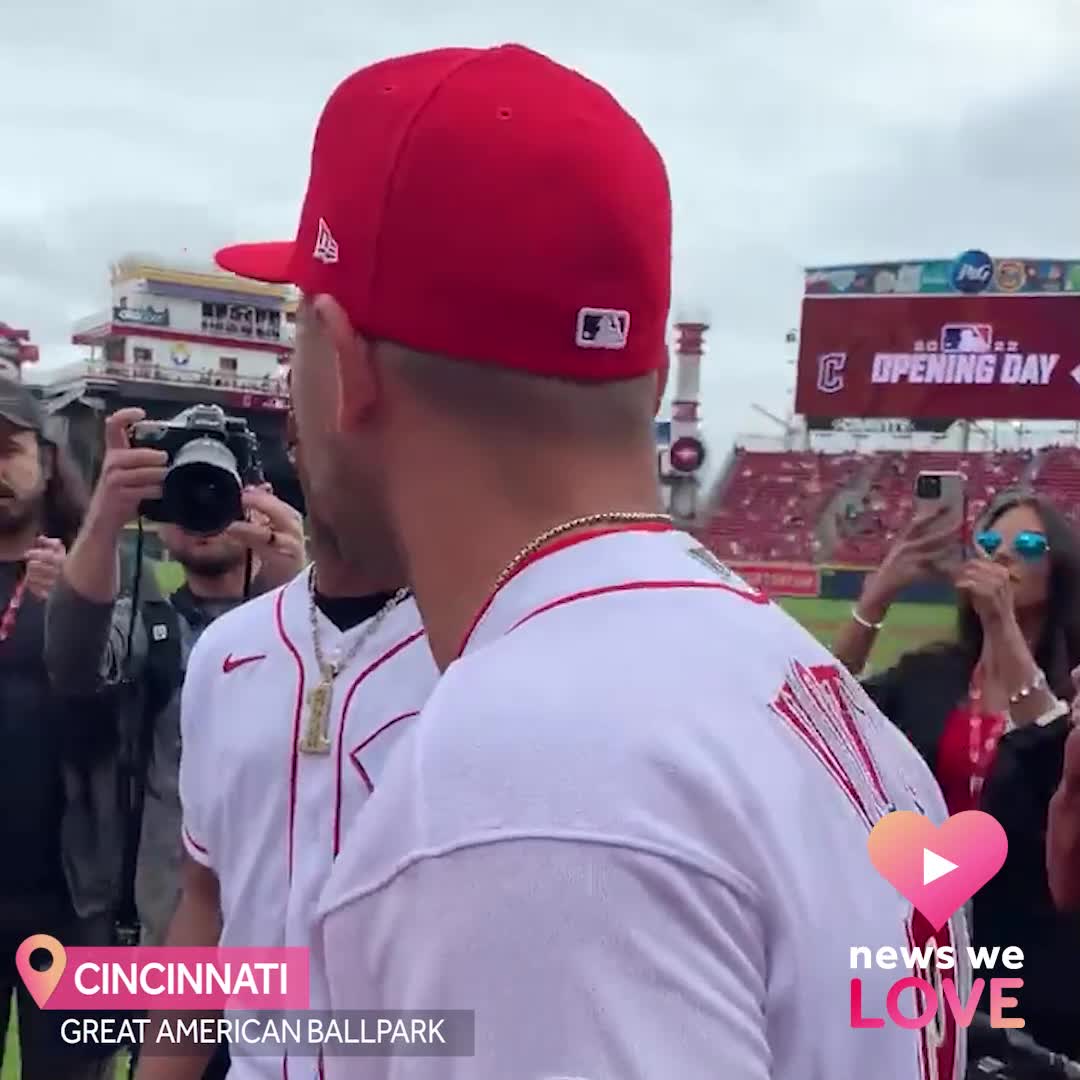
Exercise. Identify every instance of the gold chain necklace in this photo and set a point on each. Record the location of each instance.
(316, 737)
(611, 517)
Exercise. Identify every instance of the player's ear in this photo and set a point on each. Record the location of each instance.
(353, 359)
(662, 379)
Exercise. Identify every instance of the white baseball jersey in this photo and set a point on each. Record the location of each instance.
(629, 829)
(268, 819)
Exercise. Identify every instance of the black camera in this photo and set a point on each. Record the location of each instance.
(212, 458)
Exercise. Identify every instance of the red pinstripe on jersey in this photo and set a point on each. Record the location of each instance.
(340, 740)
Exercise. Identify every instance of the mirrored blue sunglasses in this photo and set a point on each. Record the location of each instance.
(1029, 546)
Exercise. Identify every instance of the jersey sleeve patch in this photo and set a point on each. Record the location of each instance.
(822, 710)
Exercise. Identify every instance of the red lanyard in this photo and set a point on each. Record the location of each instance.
(984, 733)
(11, 612)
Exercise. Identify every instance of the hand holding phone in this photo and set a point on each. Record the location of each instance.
(942, 498)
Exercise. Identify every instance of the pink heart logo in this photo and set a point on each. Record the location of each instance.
(938, 868)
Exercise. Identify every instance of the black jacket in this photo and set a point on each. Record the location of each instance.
(918, 694)
(1015, 907)
(50, 772)
(31, 791)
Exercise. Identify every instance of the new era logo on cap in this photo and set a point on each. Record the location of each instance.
(456, 269)
(602, 328)
(326, 250)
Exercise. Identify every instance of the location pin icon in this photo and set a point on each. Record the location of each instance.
(41, 984)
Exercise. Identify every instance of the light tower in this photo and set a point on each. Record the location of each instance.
(687, 453)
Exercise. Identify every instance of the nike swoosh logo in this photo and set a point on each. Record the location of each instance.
(231, 664)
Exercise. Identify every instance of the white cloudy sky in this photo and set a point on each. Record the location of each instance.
(796, 132)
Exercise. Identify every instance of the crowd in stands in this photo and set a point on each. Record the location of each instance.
(848, 508)
(772, 502)
(1058, 477)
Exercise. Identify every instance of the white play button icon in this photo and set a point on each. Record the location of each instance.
(934, 866)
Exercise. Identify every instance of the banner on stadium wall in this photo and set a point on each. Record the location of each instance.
(775, 579)
(857, 425)
(936, 276)
(974, 356)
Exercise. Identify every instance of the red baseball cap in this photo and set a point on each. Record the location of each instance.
(487, 205)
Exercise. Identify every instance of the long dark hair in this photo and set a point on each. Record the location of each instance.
(66, 495)
(1058, 649)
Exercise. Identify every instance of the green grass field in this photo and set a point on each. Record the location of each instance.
(170, 576)
(10, 1071)
(907, 627)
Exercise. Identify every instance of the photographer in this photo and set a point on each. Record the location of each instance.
(92, 643)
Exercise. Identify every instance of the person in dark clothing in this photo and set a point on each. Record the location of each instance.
(1016, 907)
(1063, 826)
(988, 712)
(42, 500)
(89, 627)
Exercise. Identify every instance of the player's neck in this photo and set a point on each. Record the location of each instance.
(453, 566)
(14, 545)
(337, 580)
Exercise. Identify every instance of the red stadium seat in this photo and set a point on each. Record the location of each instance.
(774, 507)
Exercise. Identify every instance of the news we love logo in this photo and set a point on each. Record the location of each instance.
(938, 869)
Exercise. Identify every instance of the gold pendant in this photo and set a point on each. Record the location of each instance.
(316, 739)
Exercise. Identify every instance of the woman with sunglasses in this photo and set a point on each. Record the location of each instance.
(1018, 638)
(988, 714)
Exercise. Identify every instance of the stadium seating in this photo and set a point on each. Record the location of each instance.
(1058, 476)
(772, 503)
(848, 508)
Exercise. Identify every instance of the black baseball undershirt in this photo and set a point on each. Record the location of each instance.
(345, 612)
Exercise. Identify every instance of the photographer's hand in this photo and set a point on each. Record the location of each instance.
(275, 533)
(127, 478)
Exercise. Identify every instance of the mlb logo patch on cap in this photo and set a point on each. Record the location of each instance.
(514, 249)
(602, 328)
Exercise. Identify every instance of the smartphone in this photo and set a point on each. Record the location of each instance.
(945, 492)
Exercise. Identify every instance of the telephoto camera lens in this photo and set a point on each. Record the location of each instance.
(202, 488)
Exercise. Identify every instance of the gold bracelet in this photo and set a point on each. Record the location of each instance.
(1037, 683)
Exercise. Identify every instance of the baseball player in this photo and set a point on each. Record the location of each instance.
(291, 707)
(628, 830)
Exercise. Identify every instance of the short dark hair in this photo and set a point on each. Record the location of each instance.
(66, 495)
(527, 404)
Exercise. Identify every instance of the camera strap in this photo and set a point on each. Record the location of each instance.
(160, 678)
(144, 698)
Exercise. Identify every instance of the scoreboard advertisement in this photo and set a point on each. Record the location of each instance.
(991, 339)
